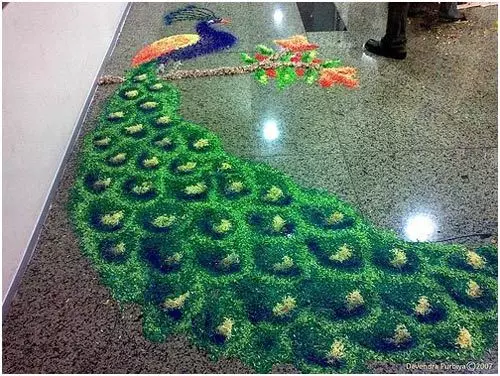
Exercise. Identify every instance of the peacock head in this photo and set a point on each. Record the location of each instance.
(162, 49)
(221, 21)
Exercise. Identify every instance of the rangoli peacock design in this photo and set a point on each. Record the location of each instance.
(245, 262)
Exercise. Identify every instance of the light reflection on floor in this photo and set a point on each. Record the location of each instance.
(270, 130)
(420, 227)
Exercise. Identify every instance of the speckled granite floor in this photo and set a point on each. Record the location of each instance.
(419, 136)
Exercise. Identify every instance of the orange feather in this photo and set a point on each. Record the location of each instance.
(164, 46)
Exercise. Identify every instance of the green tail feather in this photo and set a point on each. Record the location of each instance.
(235, 255)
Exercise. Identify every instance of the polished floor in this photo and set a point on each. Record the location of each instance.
(414, 149)
(418, 138)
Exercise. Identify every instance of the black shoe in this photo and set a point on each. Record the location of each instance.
(448, 12)
(445, 18)
(415, 13)
(377, 48)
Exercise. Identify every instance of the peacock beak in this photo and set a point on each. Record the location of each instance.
(225, 21)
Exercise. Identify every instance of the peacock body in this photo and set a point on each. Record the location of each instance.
(211, 40)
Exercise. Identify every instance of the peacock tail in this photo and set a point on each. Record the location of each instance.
(245, 262)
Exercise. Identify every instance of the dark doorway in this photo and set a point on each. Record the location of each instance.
(320, 17)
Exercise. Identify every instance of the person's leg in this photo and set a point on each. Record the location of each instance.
(395, 34)
(414, 10)
(393, 44)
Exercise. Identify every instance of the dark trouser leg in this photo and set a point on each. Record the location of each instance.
(414, 10)
(393, 44)
(395, 34)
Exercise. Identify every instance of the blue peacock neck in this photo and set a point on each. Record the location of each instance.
(220, 39)
(211, 40)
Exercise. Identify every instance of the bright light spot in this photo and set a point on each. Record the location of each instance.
(368, 60)
(278, 16)
(367, 57)
(420, 227)
(271, 131)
